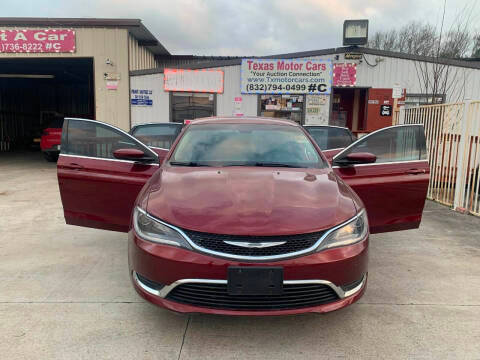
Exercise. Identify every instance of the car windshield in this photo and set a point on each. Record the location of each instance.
(330, 137)
(246, 145)
(157, 135)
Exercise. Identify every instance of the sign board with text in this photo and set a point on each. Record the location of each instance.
(237, 106)
(353, 56)
(204, 80)
(317, 108)
(37, 41)
(397, 92)
(386, 110)
(141, 97)
(344, 74)
(286, 76)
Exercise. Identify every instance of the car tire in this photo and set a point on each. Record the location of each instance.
(50, 157)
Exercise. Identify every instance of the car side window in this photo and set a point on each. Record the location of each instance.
(93, 139)
(394, 144)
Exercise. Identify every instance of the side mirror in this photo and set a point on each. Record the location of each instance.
(361, 158)
(129, 154)
(356, 158)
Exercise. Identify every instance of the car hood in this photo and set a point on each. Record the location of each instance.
(250, 200)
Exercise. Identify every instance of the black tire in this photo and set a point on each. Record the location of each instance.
(50, 157)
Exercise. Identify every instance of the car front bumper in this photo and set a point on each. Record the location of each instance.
(169, 267)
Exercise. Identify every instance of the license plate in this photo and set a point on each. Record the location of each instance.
(36, 140)
(255, 280)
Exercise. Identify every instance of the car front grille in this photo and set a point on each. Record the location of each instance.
(215, 296)
(216, 242)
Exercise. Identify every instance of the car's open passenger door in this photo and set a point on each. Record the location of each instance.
(393, 183)
(101, 170)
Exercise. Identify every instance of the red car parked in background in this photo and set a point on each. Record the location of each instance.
(51, 139)
(244, 216)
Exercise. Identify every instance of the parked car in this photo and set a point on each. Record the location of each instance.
(331, 139)
(244, 216)
(158, 135)
(50, 141)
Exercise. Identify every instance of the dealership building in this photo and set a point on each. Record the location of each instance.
(116, 71)
(68, 67)
(361, 89)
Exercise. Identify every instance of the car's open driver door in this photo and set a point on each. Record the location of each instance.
(97, 188)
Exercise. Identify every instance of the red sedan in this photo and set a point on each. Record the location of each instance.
(244, 216)
(51, 138)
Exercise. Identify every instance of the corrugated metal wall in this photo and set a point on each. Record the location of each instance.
(140, 57)
(112, 106)
(231, 89)
(184, 61)
(159, 111)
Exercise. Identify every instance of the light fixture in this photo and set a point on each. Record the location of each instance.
(355, 32)
(26, 76)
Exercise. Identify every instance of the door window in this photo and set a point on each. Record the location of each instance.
(188, 106)
(282, 106)
(93, 139)
(393, 144)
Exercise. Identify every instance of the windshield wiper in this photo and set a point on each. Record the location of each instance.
(186, 163)
(272, 164)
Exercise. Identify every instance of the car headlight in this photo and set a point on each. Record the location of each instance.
(352, 232)
(150, 229)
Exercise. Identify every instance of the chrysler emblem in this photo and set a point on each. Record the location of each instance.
(255, 245)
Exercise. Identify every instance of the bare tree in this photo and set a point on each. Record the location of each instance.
(413, 38)
(476, 46)
(436, 76)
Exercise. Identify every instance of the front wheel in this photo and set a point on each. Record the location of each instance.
(50, 156)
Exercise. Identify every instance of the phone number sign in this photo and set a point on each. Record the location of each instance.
(286, 76)
(37, 41)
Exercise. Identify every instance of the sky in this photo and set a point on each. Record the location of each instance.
(250, 27)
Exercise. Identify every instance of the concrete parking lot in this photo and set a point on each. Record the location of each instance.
(65, 293)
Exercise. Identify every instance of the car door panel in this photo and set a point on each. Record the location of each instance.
(393, 192)
(394, 198)
(99, 192)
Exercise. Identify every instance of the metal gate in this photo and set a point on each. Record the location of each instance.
(453, 142)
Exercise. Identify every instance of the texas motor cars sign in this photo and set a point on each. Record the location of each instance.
(37, 41)
(286, 76)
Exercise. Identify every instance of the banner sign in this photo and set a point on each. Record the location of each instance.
(204, 80)
(344, 74)
(286, 76)
(37, 41)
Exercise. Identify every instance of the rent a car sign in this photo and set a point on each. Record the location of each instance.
(37, 41)
(286, 76)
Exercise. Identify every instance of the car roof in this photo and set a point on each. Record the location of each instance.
(331, 126)
(158, 123)
(243, 120)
